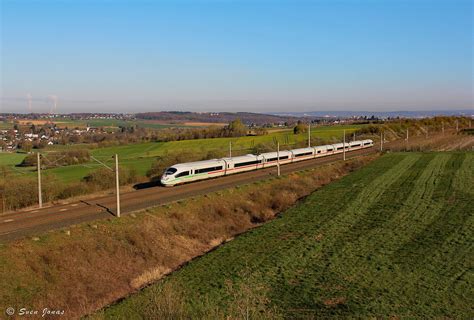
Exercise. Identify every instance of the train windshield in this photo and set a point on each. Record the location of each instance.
(170, 171)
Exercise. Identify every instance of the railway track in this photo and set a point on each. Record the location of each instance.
(27, 223)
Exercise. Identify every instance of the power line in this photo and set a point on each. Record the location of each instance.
(40, 195)
(93, 158)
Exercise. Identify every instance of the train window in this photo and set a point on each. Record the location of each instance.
(340, 148)
(356, 145)
(170, 171)
(182, 174)
(366, 143)
(248, 163)
(271, 159)
(319, 151)
(329, 149)
(204, 170)
(302, 154)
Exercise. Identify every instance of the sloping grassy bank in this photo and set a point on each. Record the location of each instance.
(91, 265)
(392, 240)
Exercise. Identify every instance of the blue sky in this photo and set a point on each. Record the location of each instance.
(262, 56)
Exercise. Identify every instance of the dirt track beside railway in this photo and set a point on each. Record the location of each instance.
(26, 223)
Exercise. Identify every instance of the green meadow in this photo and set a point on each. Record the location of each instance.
(5, 125)
(140, 156)
(391, 240)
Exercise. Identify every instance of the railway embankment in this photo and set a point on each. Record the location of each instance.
(87, 266)
(390, 241)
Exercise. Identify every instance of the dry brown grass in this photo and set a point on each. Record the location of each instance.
(449, 141)
(334, 301)
(205, 124)
(98, 263)
(32, 121)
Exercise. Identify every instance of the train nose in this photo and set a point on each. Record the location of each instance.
(164, 179)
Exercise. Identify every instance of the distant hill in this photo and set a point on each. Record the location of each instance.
(378, 114)
(217, 117)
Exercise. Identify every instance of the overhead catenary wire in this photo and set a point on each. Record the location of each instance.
(55, 161)
(102, 163)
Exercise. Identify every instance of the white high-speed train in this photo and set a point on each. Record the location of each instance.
(206, 169)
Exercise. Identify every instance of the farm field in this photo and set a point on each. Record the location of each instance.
(140, 156)
(5, 125)
(393, 239)
(109, 123)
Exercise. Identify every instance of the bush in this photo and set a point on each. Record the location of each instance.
(29, 161)
(235, 129)
(261, 131)
(20, 192)
(74, 189)
(262, 148)
(23, 191)
(104, 178)
(56, 159)
(371, 129)
(300, 128)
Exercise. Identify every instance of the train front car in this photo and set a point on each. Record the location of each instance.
(367, 143)
(192, 171)
(168, 176)
(177, 174)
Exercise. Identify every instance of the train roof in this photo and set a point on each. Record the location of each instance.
(325, 147)
(203, 163)
(274, 154)
(247, 157)
(302, 150)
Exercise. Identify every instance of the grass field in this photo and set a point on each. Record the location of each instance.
(140, 156)
(5, 125)
(392, 239)
(109, 123)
